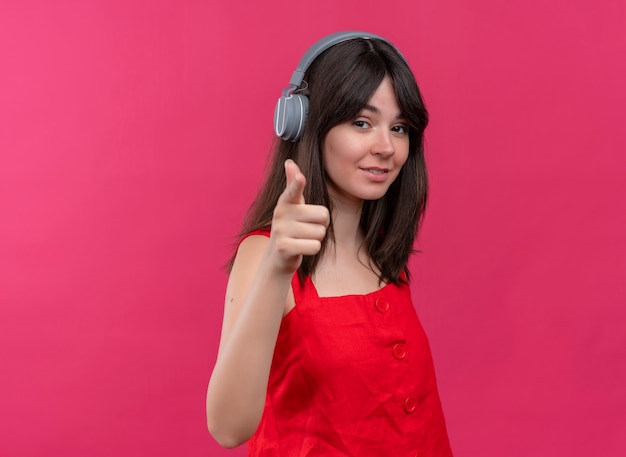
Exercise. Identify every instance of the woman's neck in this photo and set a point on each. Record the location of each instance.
(345, 267)
(346, 217)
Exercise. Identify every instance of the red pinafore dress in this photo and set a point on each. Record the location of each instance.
(351, 376)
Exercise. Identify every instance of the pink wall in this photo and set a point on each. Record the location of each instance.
(132, 138)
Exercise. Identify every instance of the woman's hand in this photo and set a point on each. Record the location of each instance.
(297, 227)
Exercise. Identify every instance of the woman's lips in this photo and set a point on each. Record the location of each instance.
(376, 174)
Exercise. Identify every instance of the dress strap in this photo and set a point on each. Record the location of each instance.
(301, 292)
(305, 291)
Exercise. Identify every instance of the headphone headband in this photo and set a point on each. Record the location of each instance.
(321, 46)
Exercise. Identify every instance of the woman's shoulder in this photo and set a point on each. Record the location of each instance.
(262, 232)
(251, 244)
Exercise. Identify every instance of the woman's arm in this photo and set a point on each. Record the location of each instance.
(257, 295)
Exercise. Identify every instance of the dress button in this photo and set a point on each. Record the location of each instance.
(382, 305)
(399, 351)
(409, 405)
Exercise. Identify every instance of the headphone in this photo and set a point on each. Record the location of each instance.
(292, 109)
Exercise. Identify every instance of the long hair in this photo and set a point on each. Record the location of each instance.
(340, 83)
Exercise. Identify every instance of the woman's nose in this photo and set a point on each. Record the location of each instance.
(383, 143)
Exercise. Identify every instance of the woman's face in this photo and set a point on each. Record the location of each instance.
(362, 157)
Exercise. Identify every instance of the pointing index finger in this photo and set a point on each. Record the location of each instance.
(295, 183)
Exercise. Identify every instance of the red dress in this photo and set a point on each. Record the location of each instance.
(351, 376)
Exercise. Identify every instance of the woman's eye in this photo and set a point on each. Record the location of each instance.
(400, 129)
(361, 124)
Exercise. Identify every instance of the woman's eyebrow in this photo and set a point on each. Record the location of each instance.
(375, 110)
(371, 108)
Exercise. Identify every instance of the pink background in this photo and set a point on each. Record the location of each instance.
(133, 135)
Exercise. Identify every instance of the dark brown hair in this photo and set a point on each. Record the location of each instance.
(339, 83)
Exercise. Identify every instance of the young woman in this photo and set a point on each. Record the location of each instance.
(321, 352)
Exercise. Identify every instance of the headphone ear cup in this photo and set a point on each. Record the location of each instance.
(290, 116)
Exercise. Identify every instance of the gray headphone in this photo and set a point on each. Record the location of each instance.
(291, 109)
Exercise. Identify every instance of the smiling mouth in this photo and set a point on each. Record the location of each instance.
(375, 171)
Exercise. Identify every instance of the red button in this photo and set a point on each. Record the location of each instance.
(382, 305)
(409, 405)
(399, 351)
